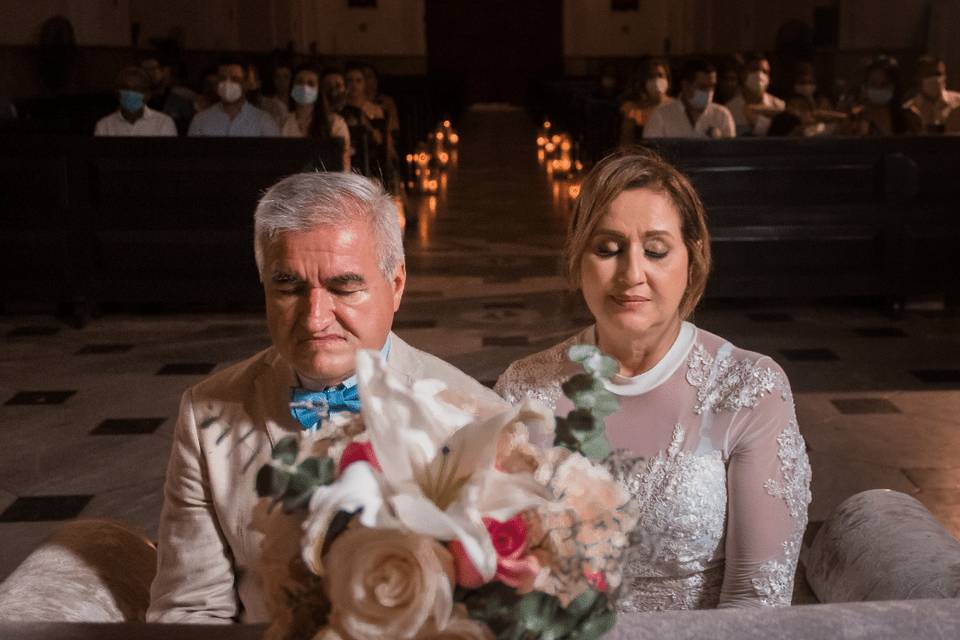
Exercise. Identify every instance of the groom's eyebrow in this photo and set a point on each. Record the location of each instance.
(344, 280)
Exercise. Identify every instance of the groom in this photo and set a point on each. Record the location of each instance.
(330, 254)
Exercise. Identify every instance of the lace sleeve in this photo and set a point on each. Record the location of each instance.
(768, 481)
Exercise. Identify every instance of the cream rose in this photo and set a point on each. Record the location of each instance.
(384, 583)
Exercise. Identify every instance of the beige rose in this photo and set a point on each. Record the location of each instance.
(384, 583)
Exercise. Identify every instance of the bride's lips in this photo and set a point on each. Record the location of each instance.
(630, 302)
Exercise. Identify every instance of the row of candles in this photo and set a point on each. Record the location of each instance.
(427, 166)
(557, 153)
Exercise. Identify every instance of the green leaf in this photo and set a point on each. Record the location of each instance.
(319, 469)
(601, 366)
(583, 603)
(581, 352)
(286, 450)
(580, 420)
(272, 481)
(596, 447)
(605, 403)
(536, 611)
(579, 383)
(596, 626)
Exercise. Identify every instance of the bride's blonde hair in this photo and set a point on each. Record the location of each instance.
(640, 168)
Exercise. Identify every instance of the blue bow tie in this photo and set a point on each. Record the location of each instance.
(310, 408)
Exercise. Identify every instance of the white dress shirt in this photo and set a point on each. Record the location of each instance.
(738, 108)
(151, 123)
(670, 121)
(250, 122)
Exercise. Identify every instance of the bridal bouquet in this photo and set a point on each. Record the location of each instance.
(416, 519)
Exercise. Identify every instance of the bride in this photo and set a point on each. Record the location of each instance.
(706, 438)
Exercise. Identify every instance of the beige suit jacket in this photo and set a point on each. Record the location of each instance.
(208, 555)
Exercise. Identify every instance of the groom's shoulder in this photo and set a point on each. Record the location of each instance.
(237, 378)
(418, 364)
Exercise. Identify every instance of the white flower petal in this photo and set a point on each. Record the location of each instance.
(504, 495)
(357, 488)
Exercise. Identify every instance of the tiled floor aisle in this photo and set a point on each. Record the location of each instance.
(86, 415)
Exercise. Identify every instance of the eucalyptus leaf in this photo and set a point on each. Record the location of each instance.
(579, 383)
(601, 366)
(272, 481)
(596, 626)
(582, 604)
(319, 469)
(580, 352)
(596, 447)
(286, 450)
(605, 403)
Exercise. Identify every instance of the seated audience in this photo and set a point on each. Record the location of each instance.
(363, 115)
(753, 108)
(252, 87)
(233, 116)
(308, 116)
(166, 94)
(276, 103)
(134, 117)
(728, 79)
(695, 114)
(334, 89)
(814, 109)
(649, 92)
(208, 91)
(881, 111)
(933, 102)
(385, 102)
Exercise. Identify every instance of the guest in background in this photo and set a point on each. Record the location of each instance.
(134, 117)
(207, 97)
(815, 111)
(695, 114)
(277, 99)
(728, 79)
(252, 86)
(372, 79)
(881, 111)
(233, 116)
(753, 108)
(609, 87)
(366, 119)
(649, 91)
(308, 115)
(166, 94)
(933, 102)
(334, 89)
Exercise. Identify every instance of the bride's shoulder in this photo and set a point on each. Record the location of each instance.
(730, 377)
(537, 376)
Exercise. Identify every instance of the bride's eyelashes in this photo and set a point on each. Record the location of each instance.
(610, 249)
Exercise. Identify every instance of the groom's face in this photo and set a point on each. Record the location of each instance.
(326, 298)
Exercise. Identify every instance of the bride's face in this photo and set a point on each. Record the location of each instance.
(635, 268)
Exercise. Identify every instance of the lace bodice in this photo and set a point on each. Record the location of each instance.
(708, 445)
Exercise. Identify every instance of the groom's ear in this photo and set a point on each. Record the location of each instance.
(398, 282)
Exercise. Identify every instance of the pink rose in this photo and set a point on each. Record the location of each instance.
(515, 567)
(357, 451)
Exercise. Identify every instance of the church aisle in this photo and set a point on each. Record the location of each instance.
(87, 414)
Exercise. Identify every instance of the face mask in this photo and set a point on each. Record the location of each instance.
(757, 82)
(933, 86)
(879, 96)
(131, 101)
(229, 91)
(701, 99)
(805, 89)
(304, 94)
(657, 86)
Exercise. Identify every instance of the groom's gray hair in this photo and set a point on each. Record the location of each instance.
(305, 201)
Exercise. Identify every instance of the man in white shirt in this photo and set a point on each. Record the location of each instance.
(753, 108)
(233, 116)
(134, 117)
(694, 115)
(933, 102)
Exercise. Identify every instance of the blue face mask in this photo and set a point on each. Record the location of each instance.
(131, 101)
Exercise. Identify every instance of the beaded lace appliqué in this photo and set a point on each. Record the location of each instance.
(537, 377)
(675, 555)
(775, 584)
(727, 384)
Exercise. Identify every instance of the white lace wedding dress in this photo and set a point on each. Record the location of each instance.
(707, 443)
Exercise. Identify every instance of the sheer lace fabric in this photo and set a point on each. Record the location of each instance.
(707, 443)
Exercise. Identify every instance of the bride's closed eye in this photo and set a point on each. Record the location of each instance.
(606, 248)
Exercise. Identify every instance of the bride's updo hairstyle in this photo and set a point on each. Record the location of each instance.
(640, 168)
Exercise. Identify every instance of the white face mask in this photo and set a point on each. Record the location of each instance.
(229, 91)
(701, 99)
(304, 94)
(805, 89)
(757, 82)
(933, 86)
(657, 86)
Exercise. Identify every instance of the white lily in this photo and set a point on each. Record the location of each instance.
(438, 477)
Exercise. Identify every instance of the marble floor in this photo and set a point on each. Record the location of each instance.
(86, 414)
